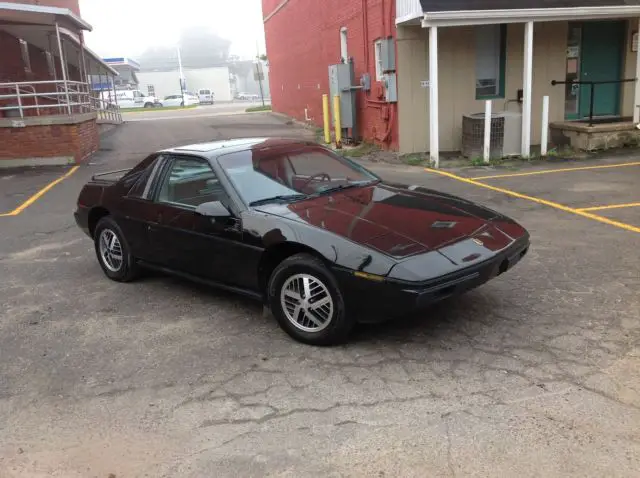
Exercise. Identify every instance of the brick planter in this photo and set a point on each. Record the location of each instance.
(48, 140)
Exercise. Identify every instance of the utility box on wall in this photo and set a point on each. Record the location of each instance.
(341, 81)
(390, 87)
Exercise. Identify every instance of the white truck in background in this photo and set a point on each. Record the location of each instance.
(130, 99)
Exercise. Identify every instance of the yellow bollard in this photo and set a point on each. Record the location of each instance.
(337, 122)
(327, 119)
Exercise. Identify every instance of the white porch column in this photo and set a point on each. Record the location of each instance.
(527, 79)
(434, 147)
(63, 68)
(636, 95)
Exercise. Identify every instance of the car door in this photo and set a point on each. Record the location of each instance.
(179, 237)
(138, 99)
(137, 208)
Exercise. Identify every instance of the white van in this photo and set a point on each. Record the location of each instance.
(131, 99)
(206, 96)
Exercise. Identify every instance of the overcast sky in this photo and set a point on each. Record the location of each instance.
(128, 27)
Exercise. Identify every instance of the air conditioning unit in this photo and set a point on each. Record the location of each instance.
(506, 133)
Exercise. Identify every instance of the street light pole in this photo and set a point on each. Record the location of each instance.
(181, 75)
(259, 72)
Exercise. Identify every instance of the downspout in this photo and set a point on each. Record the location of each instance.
(365, 31)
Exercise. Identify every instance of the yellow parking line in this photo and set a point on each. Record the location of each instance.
(559, 170)
(611, 206)
(552, 204)
(40, 193)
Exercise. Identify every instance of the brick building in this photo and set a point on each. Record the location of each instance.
(453, 58)
(48, 112)
(304, 37)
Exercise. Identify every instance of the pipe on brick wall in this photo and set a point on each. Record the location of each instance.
(371, 103)
(384, 20)
(365, 32)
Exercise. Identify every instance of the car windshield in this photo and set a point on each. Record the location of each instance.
(291, 173)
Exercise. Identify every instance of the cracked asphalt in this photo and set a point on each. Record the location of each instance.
(537, 373)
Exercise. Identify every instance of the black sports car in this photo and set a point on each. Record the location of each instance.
(321, 240)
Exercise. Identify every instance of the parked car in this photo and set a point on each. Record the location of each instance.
(206, 96)
(322, 241)
(186, 99)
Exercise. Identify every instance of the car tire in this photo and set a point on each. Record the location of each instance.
(109, 241)
(315, 324)
(148, 105)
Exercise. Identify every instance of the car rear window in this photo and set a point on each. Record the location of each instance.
(137, 178)
(205, 92)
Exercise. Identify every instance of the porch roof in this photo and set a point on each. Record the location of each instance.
(40, 35)
(445, 13)
(20, 13)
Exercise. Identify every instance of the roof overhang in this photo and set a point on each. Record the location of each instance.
(44, 38)
(122, 61)
(20, 13)
(489, 17)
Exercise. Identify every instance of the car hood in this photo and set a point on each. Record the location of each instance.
(400, 220)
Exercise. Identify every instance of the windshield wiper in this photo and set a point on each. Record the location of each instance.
(280, 197)
(342, 187)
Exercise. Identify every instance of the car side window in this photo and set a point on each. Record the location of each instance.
(190, 182)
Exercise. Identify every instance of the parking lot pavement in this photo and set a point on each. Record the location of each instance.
(19, 184)
(537, 373)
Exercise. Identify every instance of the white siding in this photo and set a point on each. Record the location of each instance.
(408, 11)
(167, 82)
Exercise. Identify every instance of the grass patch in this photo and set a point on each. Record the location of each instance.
(415, 159)
(255, 109)
(157, 108)
(359, 151)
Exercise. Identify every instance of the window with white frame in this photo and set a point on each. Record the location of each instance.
(490, 61)
(378, 57)
(344, 52)
(151, 90)
(24, 49)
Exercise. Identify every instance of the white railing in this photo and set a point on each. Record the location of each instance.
(106, 110)
(24, 99)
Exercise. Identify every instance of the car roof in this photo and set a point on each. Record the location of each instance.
(227, 146)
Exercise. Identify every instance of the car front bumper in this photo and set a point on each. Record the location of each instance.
(380, 300)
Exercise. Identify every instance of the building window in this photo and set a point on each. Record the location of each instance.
(344, 53)
(491, 46)
(151, 90)
(378, 58)
(26, 61)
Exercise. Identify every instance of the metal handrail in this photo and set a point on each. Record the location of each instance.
(69, 95)
(592, 84)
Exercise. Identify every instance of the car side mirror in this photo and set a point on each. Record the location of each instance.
(214, 209)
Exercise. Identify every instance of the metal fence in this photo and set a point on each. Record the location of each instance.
(44, 98)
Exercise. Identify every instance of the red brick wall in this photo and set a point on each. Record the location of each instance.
(87, 138)
(48, 141)
(303, 39)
